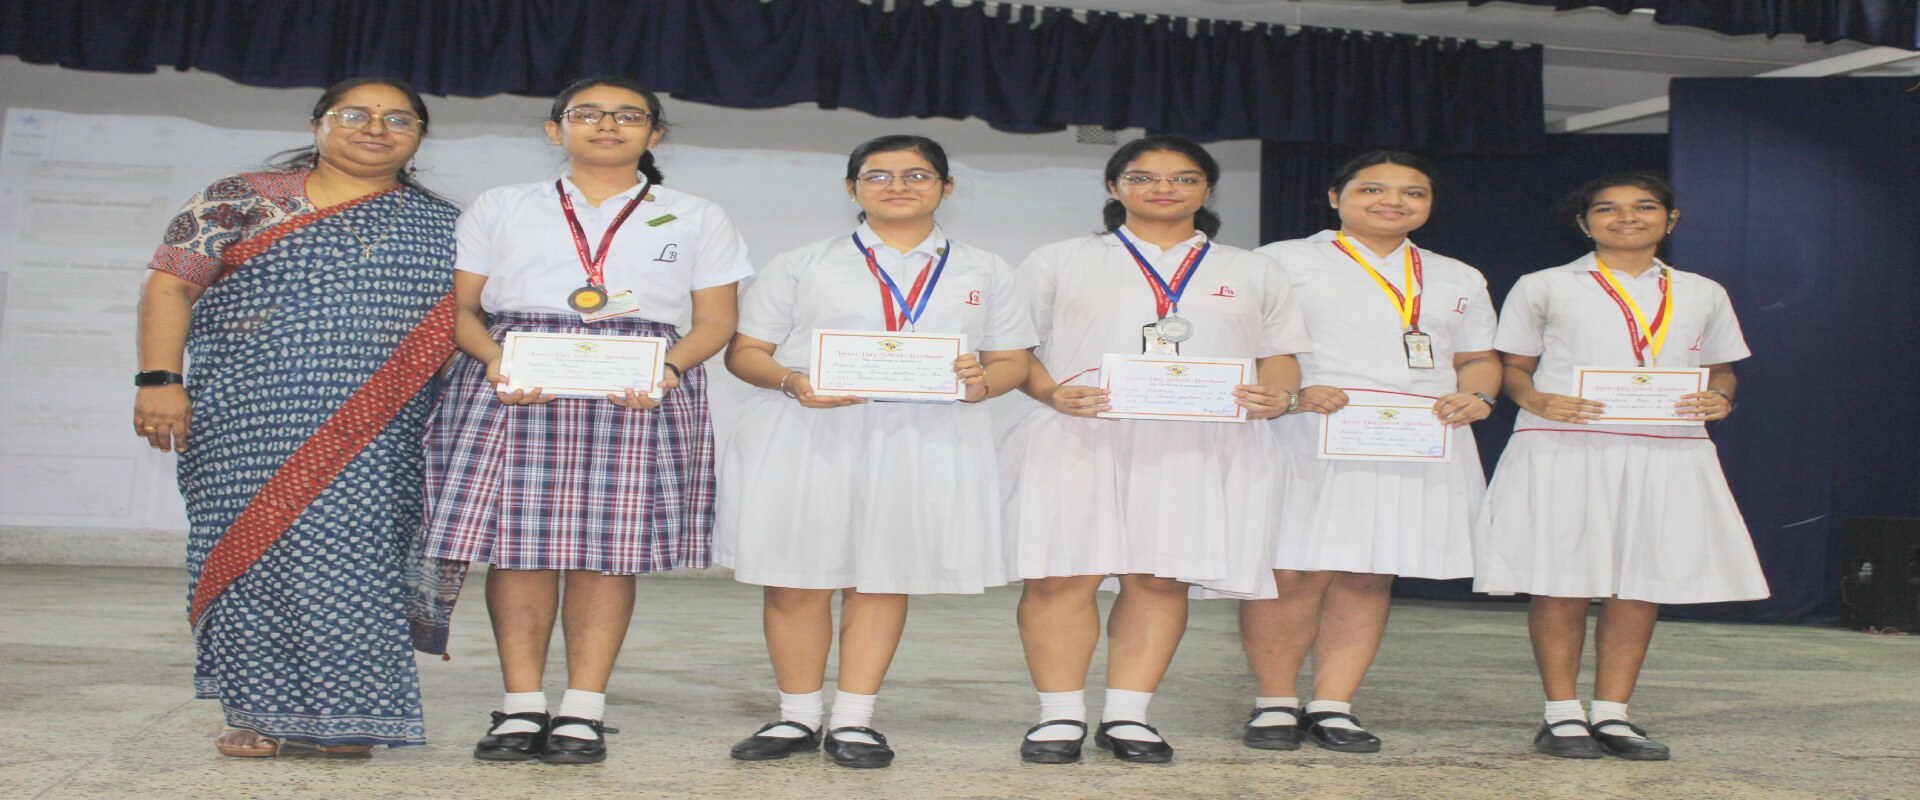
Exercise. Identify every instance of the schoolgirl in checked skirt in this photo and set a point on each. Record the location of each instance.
(592, 489)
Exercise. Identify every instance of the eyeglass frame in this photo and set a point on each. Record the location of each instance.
(871, 180)
(417, 127)
(1141, 180)
(647, 118)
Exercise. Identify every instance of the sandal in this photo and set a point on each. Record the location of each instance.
(263, 747)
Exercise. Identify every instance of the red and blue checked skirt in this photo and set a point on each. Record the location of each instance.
(578, 483)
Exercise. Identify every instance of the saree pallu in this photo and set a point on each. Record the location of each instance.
(303, 472)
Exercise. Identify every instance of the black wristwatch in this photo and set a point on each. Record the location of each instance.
(157, 377)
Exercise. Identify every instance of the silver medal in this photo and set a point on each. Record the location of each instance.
(1174, 329)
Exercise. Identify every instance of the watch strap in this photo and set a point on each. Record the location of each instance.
(157, 377)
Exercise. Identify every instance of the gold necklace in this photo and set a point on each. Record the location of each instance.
(366, 249)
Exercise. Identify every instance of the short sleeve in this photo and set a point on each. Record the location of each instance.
(1479, 328)
(723, 252)
(1721, 341)
(210, 222)
(473, 235)
(1037, 279)
(766, 307)
(1009, 321)
(1522, 326)
(1283, 329)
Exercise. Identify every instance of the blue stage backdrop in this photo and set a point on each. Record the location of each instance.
(1802, 197)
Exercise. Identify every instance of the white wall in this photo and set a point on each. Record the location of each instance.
(812, 136)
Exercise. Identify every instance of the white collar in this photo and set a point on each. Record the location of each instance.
(933, 246)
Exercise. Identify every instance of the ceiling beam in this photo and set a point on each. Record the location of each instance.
(1655, 106)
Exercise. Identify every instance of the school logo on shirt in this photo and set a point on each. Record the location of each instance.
(585, 347)
(1225, 291)
(1642, 380)
(973, 298)
(1388, 413)
(670, 253)
(889, 345)
(1460, 307)
(1176, 370)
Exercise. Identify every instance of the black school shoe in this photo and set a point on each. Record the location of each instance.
(1344, 740)
(1273, 737)
(1133, 750)
(1582, 746)
(573, 749)
(1629, 747)
(522, 746)
(859, 755)
(759, 747)
(1056, 751)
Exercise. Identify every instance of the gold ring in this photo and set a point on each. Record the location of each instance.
(149, 428)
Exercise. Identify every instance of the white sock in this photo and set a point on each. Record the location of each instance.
(855, 711)
(1562, 711)
(521, 703)
(585, 705)
(1336, 706)
(1605, 711)
(805, 709)
(1061, 705)
(1274, 718)
(1128, 706)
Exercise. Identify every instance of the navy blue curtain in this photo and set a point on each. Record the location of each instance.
(1022, 69)
(1894, 23)
(1799, 196)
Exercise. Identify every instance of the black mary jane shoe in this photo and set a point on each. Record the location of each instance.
(1581, 746)
(760, 747)
(1273, 737)
(1631, 748)
(519, 746)
(1052, 751)
(573, 749)
(1133, 750)
(859, 755)
(1343, 740)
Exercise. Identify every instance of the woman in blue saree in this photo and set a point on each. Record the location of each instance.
(315, 301)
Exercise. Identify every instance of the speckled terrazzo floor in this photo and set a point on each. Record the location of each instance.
(95, 665)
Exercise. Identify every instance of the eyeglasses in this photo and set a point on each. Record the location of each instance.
(917, 180)
(1141, 180)
(357, 117)
(581, 115)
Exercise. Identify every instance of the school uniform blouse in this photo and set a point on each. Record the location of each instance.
(670, 246)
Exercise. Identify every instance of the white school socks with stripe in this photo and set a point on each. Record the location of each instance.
(1055, 706)
(805, 709)
(853, 711)
(1124, 705)
(585, 705)
(1565, 711)
(1270, 719)
(520, 703)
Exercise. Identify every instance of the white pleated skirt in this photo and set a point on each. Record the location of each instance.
(1191, 501)
(1381, 517)
(893, 498)
(1590, 514)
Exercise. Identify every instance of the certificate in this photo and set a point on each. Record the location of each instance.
(1385, 426)
(1172, 387)
(1642, 396)
(582, 365)
(888, 365)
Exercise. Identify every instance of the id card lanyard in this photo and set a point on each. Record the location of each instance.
(913, 304)
(1646, 337)
(1419, 345)
(1164, 335)
(592, 297)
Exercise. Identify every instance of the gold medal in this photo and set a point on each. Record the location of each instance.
(587, 299)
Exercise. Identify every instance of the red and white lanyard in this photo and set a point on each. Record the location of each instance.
(595, 264)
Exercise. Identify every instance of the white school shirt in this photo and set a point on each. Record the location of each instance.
(1357, 331)
(1562, 316)
(671, 245)
(1090, 298)
(827, 285)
